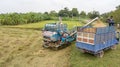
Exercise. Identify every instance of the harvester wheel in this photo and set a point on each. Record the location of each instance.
(45, 46)
(113, 47)
(56, 48)
(68, 43)
(100, 54)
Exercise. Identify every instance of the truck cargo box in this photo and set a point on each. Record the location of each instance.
(96, 39)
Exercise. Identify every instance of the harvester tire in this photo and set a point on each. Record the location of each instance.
(45, 46)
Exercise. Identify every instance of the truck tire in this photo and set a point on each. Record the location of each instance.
(100, 54)
(113, 47)
(82, 50)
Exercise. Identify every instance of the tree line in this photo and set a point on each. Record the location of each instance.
(32, 17)
(22, 18)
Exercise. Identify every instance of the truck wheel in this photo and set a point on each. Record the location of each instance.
(113, 47)
(82, 50)
(100, 54)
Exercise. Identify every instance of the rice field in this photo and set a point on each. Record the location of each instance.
(21, 46)
(41, 24)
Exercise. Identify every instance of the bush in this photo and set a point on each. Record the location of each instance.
(22, 18)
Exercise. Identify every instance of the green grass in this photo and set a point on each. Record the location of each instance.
(110, 59)
(41, 24)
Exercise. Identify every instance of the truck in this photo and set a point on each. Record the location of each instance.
(95, 40)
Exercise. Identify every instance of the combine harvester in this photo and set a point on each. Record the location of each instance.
(57, 35)
(95, 40)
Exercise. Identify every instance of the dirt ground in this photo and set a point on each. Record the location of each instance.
(23, 48)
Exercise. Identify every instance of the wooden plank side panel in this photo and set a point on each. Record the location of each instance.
(79, 39)
(90, 30)
(91, 41)
(85, 40)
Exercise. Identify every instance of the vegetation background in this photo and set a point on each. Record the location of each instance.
(74, 14)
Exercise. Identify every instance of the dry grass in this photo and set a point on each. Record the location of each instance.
(99, 23)
(23, 48)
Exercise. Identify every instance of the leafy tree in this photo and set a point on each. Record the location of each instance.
(75, 12)
(118, 7)
(53, 13)
(93, 14)
(46, 16)
(82, 14)
(116, 15)
(64, 12)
